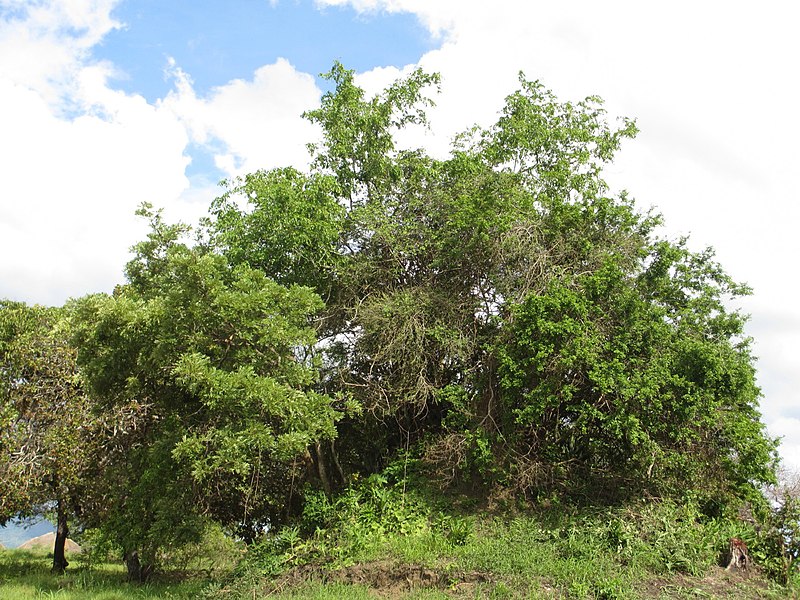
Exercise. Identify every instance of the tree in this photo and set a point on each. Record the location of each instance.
(293, 232)
(45, 452)
(505, 311)
(631, 379)
(214, 361)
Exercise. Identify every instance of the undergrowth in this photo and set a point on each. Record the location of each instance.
(556, 551)
(381, 529)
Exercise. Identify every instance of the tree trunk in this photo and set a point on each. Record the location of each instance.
(322, 469)
(133, 565)
(137, 572)
(487, 402)
(328, 468)
(62, 531)
(337, 464)
(738, 558)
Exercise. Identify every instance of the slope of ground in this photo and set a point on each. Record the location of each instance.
(375, 545)
(46, 541)
(394, 580)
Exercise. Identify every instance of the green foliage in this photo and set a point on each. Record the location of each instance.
(212, 362)
(503, 306)
(605, 553)
(496, 319)
(357, 133)
(360, 521)
(372, 516)
(598, 377)
(561, 550)
(776, 546)
(47, 447)
(558, 148)
(291, 230)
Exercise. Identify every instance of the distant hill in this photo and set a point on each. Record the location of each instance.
(46, 541)
(16, 532)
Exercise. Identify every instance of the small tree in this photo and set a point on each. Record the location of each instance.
(214, 361)
(45, 449)
(777, 544)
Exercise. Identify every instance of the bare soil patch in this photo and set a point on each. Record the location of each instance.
(717, 583)
(394, 580)
(386, 578)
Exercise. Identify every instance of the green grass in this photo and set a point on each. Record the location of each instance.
(26, 575)
(373, 541)
(366, 540)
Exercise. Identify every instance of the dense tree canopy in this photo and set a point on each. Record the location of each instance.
(498, 313)
(504, 310)
(213, 363)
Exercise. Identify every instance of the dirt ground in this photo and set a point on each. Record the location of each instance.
(394, 580)
(387, 579)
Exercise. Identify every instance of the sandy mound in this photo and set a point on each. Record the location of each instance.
(46, 541)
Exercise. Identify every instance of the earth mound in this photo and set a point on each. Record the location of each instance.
(46, 541)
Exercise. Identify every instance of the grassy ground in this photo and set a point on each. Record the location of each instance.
(512, 560)
(411, 542)
(377, 541)
(375, 548)
(26, 575)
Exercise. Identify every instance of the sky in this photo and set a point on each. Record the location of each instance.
(16, 533)
(105, 104)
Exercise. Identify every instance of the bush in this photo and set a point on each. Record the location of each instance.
(777, 546)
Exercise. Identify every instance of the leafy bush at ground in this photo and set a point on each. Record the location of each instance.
(574, 552)
(777, 545)
(382, 534)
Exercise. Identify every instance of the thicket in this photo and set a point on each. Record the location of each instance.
(389, 529)
(498, 318)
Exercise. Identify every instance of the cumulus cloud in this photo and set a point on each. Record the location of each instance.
(250, 124)
(46, 42)
(79, 155)
(74, 188)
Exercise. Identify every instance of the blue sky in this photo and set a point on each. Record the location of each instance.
(108, 103)
(216, 42)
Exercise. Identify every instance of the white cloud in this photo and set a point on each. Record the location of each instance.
(787, 428)
(439, 17)
(75, 186)
(47, 41)
(82, 155)
(253, 124)
(79, 156)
